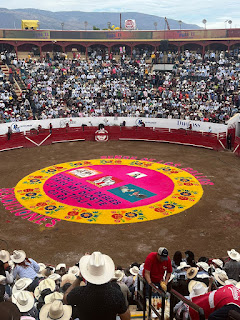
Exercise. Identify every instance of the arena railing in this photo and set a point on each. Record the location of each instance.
(35, 137)
(145, 293)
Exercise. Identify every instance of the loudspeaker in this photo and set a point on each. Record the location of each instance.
(164, 45)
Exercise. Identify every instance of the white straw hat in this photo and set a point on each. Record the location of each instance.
(97, 268)
(67, 278)
(234, 255)
(203, 265)
(55, 276)
(74, 270)
(47, 284)
(118, 275)
(197, 288)
(61, 265)
(218, 262)
(134, 270)
(24, 300)
(4, 256)
(221, 277)
(2, 278)
(18, 256)
(183, 265)
(42, 267)
(53, 296)
(55, 311)
(21, 284)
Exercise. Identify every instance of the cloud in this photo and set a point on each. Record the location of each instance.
(213, 11)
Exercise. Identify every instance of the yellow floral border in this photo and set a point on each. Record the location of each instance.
(187, 192)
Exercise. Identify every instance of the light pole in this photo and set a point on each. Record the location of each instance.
(204, 22)
(85, 25)
(62, 24)
(155, 25)
(180, 24)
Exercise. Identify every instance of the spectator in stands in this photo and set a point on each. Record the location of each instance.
(232, 267)
(124, 288)
(156, 264)
(99, 299)
(25, 268)
(216, 304)
(190, 258)
(177, 259)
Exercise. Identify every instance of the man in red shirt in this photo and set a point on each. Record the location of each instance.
(216, 304)
(156, 265)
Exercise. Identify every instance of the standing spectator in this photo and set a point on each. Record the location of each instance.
(229, 141)
(177, 259)
(99, 299)
(156, 264)
(9, 133)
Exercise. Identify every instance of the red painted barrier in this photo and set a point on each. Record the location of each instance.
(185, 137)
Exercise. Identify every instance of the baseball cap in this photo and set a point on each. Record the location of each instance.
(163, 252)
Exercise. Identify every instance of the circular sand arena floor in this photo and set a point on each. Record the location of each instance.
(60, 201)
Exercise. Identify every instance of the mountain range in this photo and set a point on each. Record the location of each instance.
(78, 20)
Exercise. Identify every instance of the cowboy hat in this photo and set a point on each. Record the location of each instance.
(55, 276)
(24, 300)
(220, 277)
(218, 262)
(134, 270)
(21, 284)
(234, 255)
(42, 267)
(60, 265)
(203, 265)
(47, 284)
(197, 288)
(53, 296)
(74, 270)
(119, 274)
(18, 256)
(2, 278)
(67, 278)
(4, 256)
(183, 265)
(55, 310)
(192, 272)
(97, 268)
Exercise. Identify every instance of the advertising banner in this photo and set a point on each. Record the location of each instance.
(23, 126)
(130, 24)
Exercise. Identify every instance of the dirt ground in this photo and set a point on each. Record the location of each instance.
(209, 228)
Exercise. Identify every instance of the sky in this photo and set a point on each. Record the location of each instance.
(216, 12)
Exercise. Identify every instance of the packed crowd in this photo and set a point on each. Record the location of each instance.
(204, 88)
(95, 289)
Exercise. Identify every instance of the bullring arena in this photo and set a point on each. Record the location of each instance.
(181, 197)
(120, 142)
